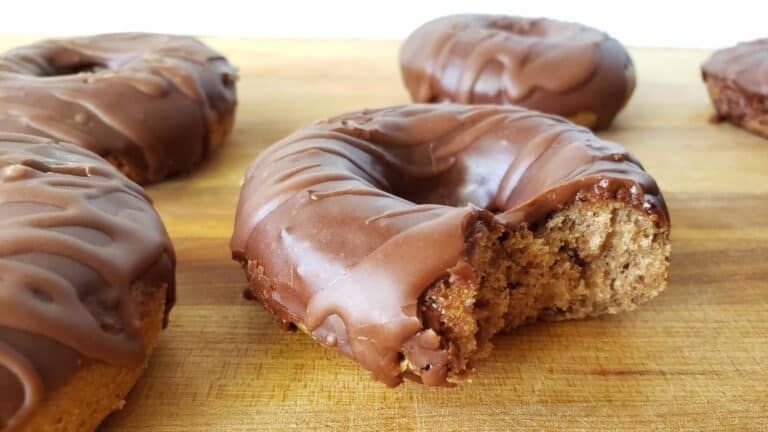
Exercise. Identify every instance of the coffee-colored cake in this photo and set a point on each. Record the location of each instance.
(407, 237)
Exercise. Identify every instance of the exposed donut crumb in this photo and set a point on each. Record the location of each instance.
(588, 260)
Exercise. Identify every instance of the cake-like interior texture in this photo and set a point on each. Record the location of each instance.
(407, 237)
(589, 259)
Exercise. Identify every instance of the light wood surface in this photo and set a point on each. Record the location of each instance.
(696, 358)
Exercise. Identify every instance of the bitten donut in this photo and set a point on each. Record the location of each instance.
(407, 237)
(552, 66)
(153, 105)
(737, 81)
(86, 280)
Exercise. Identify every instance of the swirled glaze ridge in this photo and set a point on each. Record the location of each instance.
(552, 66)
(80, 246)
(343, 225)
(153, 105)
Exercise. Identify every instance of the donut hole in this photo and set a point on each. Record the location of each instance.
(41, 295)
(227, 75)
(227, 81)
(457, 187)
(529, 28)
(84, 67)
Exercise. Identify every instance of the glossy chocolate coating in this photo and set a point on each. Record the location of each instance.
(344, 224)
(79, 242)
(744, 66)
(152, 104)
(552, 66)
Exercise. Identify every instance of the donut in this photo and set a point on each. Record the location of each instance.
(737, 82)
(86, 282)
(153, 105)
(407, 237)
(551, 66)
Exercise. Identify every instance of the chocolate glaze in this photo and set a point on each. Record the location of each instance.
(744, 66)
(551, 66)
(154, 105)
(344, 224)
(80, 249)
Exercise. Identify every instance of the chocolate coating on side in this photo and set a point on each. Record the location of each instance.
(744, 66)
(344, 224)
(80, 245)
(154, 105)
(547, 65)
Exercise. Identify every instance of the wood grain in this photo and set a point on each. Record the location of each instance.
(696, 358)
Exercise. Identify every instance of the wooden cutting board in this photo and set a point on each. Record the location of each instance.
(695, 358)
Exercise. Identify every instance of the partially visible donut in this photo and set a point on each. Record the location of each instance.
(153, 105)
(737, 82)
(86, 281)
(407, 237)
(551, 66)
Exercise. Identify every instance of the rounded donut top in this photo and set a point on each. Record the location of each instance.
(744, 66)
(551, 66)
(153, 105)
(80, 247)
(352, 218)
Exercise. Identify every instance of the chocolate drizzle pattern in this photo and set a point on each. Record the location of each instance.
(155, 105)
(551, 66)
(744, 66)
(344, 224)
(77, 240)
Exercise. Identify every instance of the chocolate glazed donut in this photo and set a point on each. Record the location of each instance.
(86, 277)
(737, 82)
(552, 66)
(153, 105)
(407, 237)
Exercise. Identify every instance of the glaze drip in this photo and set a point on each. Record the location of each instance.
(551, 66)
(402, 189)
(76, 236)
(153, 104)
(744, 66)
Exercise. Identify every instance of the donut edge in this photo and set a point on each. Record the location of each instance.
(466, 276)
(97, 388)
(737, 106)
